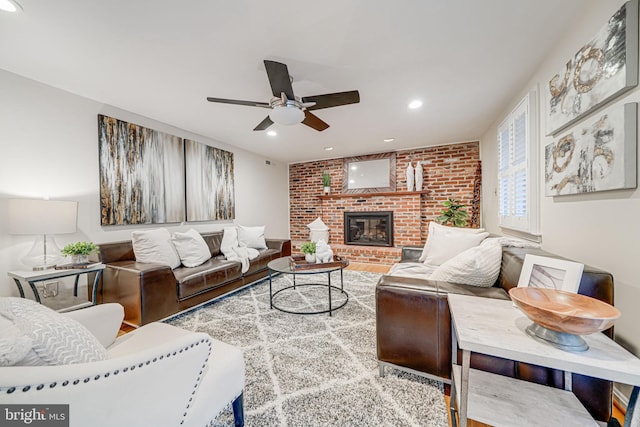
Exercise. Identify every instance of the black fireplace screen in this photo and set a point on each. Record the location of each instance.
(368, 228)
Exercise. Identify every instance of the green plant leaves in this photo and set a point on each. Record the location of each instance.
(454, 214)
(308, 248)
(326, 179)
(79, 248)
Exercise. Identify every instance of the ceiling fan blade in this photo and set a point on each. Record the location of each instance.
(264, 124)
(237, 102)
(279, 79)
(314, 121)
(332, 99)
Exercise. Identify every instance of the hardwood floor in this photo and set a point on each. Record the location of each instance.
(381, 268)
(371, 268)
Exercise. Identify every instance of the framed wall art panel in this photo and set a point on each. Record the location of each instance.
(550, 273)
(601, 70)
(597, 155)
(209, 182)
(141, 174)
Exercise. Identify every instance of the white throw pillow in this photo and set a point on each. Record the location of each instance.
(55, 339)
(443, 243)
(229, 241)
(155, 246)
(477, 266)
(191, 247)
(252, 237)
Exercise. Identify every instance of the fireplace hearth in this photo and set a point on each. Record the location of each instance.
(368, 228)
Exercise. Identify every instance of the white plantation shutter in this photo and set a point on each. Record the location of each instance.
(517, 168)
(503, 169)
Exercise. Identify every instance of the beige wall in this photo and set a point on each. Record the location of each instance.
(600, 229)
(49, 147)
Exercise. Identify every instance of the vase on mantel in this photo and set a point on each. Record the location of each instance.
(410, 177)
(327, 190)
(419, 176)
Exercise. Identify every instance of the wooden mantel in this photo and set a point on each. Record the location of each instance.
(366, 195)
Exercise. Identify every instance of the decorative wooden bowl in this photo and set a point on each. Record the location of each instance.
(563, 311)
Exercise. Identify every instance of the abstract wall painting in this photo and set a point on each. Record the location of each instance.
(141, 174)
(597, 155)
(210, 185)
(601, 70)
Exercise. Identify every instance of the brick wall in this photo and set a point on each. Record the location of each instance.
(448, 170)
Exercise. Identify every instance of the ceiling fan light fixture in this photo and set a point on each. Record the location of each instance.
(10, 6)
(286, 115)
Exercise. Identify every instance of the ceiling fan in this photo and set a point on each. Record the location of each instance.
(288, 109)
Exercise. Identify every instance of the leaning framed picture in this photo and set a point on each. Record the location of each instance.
(551, 273)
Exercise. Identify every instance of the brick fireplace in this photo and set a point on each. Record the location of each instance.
(449, 171)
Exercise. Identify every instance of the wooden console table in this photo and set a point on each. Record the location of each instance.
(497, 328)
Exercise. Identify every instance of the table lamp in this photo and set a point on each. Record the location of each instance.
(42, 217)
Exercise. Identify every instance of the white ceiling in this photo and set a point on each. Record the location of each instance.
(466, 59)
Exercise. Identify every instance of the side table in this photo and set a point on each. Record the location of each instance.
(33, 277)
(497, 328)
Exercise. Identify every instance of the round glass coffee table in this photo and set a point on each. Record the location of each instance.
(287, 265)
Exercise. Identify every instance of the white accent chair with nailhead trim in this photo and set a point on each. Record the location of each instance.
(157, 375)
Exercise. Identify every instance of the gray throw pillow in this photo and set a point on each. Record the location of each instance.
(55, 339)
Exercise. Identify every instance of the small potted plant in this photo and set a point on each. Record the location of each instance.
(309, 251)
(79, 251)
(454, 214)
(326, 182)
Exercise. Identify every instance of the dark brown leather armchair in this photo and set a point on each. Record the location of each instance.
(413, 327)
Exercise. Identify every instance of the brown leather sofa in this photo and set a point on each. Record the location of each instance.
(150, 292)
(413, 327)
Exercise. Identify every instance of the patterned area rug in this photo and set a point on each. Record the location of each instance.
(315, 370)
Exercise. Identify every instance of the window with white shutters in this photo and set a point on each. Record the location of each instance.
(517, 168)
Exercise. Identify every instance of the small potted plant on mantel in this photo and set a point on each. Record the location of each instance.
(79, 251)
(326, 182)
(309, 251)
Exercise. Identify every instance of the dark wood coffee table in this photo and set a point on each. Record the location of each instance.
(285, 265)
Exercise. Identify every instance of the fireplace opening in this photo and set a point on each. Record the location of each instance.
(368, 228)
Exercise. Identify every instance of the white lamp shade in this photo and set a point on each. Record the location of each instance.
(286, 115)
(28, 216)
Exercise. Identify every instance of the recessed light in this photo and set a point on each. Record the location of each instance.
(415, 104)
(328, 148)
(389, 139)
(272, 133)
(10, 6)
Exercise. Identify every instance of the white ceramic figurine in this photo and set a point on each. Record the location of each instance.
(323, 252)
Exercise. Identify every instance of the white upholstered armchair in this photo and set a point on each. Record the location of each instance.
(157, 375)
